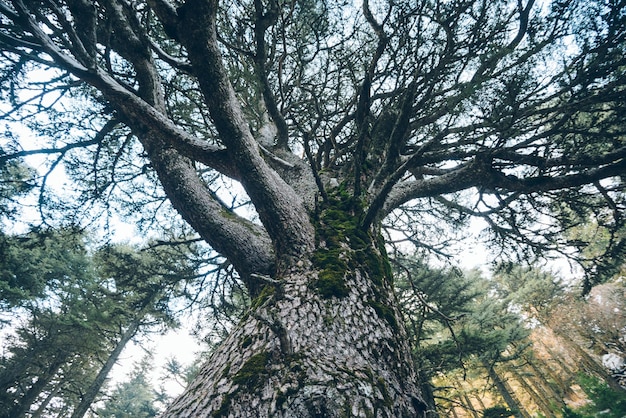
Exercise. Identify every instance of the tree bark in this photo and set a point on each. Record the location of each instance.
(302, 352)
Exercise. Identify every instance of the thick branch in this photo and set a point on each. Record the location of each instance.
(280, 209)
(480, 174)
(245, 244)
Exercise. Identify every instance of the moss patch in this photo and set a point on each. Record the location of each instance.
(223, 410)
(246, 342)
(332, 270)
(266, 293)
(382, 386)
(252, 371)
(346, 247)
(384, 312)
(330, 285)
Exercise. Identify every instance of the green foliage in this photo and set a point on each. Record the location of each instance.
(601, 242)
(534, 290)
(58, 348)
(40, 259)
(457, 321)
(132, 398)
(453, 316)
(16, 180)
(74, 307)
(569, 413)
(605, 402)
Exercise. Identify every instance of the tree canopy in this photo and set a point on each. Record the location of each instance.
(436, 111)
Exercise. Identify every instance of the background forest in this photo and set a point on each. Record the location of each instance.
(512, 341)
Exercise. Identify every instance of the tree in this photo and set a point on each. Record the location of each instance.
(39, 260)
(457, 321)
(76, 311)
(132, 398)
(423, 115)
(16, 180)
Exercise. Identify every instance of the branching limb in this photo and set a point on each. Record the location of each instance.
(265, 19)
(362, 114)
(280, 209)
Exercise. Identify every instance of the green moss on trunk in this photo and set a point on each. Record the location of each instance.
(384, 312)
(346, 247)
(252, 372)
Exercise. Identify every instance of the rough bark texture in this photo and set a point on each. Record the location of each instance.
(299, 353)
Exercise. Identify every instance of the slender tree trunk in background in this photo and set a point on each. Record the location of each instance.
(312, 345)
(480, 402)
(564, 369)
(542, 403)
(43, 405)
(96, 385)
(544, 376)
(464, 399)
(454, 414)
(469, 406)
(506, 392)
(589, 364)
(35, 390)
(546, 387)
(429, 398)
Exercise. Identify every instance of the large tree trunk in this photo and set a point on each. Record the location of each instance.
(312, 345)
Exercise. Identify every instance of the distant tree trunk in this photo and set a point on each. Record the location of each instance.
(313, 345)
(42, 407)
(507, 394)
(547, 378)
(429, 398)
(93, 390)
(469, 406)
(538, 398)
(589, 364)
(454, 414)
(25, 402)
(480, 402)
(563, 369)
(464, 399)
